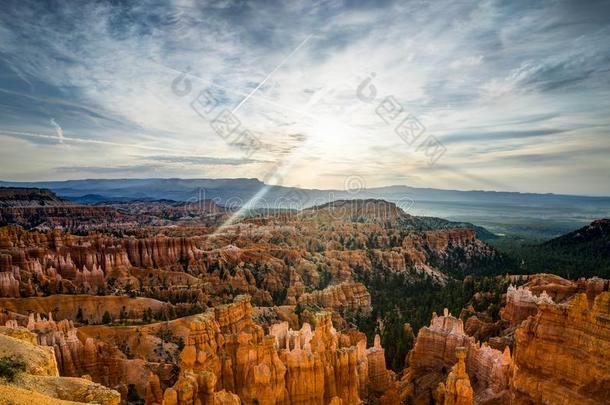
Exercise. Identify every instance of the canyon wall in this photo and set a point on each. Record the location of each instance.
(561, 350)
(86, 307)
(558, 329)
(434, 354)
(40, 382)
(262, 261)
(227, 354)
(77, 354)
(562, 354)
(352, 297)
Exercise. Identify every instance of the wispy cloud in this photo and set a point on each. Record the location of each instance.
(123, 169)
(488, 78)
(202, 160)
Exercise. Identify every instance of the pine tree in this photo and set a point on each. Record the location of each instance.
(106, 319)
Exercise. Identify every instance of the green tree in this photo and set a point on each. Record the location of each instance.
(79, 315)
(106, 319)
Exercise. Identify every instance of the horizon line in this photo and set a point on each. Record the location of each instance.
(304, 188)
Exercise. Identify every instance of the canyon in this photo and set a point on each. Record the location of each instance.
(557, 351)
(167, 303)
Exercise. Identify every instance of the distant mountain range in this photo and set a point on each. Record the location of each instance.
(104, 190)
(540, 215)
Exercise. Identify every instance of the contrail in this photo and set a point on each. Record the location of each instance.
(272, 72)
(58, 130)
(236, 92)
(85, 140)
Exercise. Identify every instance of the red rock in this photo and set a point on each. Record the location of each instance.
(457, 389)
(562, 353)
(434, 354)
(352, 297)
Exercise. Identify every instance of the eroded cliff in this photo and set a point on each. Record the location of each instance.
(39, 382)
(226, 351)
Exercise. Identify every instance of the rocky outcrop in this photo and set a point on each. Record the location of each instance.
(434, 354)
(20, 343)
(60, 262)
(226, 350)
(9, 285)
(352, 297)
(394, 260)
(562, 353)
(380, 379)
(521, 303)
(41, 375)
(435, 346)
(158, 252)
(457, 389)
(340, 362)
(85, 307)
(192, 387)
(106, 359)
(324, 364)
(561, 350)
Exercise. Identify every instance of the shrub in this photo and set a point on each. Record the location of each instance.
(9, 367)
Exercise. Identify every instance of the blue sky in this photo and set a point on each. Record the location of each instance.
(518, 93)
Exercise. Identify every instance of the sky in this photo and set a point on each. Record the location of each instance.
(489, 95)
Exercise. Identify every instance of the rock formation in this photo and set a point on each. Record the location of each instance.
(380, 379)
(352, 297)
(280, 254)
(130, 274)
(521, 303)
(457, 389)
(9, 285)
(226, 351)
(561, 350)
(562, 353)
(41, 379)
(434, 354)
(78, 353)
(86, 307)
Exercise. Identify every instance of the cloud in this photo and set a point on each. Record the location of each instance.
(202, 160)
(37, 137)
(499, 136)
(507, 75)
(469, 61)
(131, 169)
